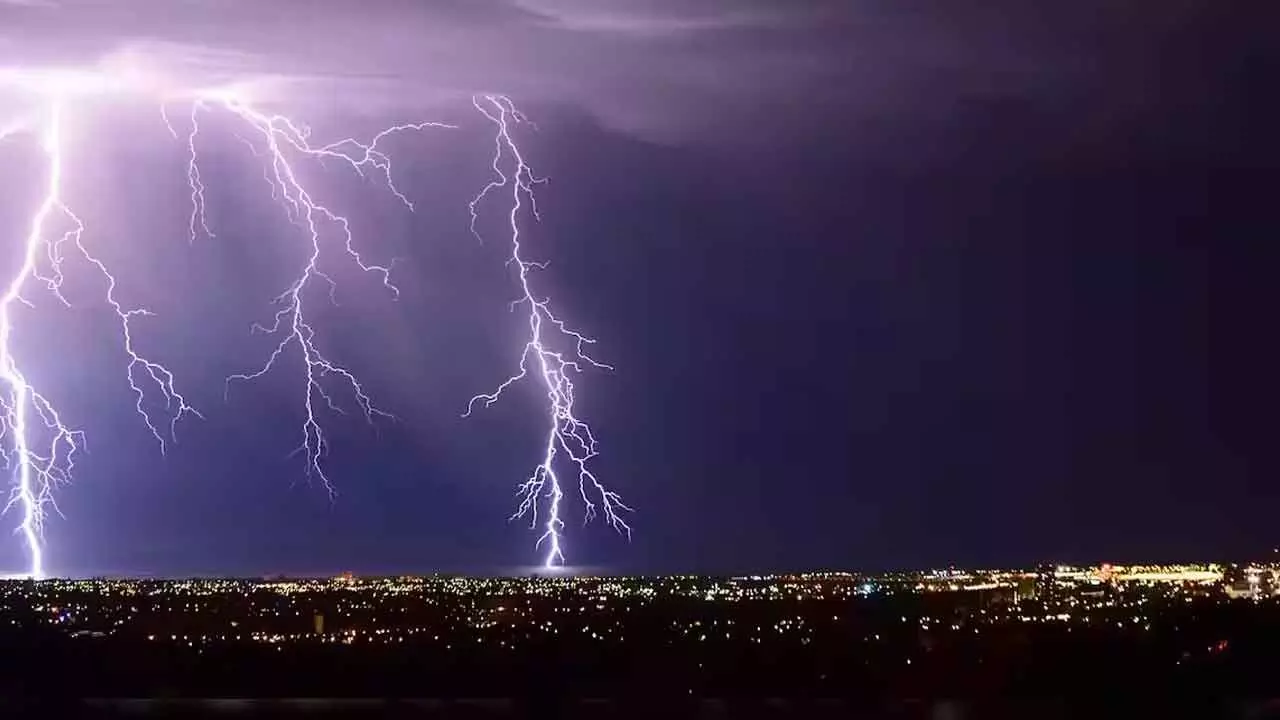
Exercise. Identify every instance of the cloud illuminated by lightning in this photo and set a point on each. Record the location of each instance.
(552, 367)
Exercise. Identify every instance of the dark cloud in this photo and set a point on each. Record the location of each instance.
(993, 342)
(660, 68)
(648, 66)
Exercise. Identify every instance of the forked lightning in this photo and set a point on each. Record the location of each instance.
(41, 448)
(550, 364)
(280, 143)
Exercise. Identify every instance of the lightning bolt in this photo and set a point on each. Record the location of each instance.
(41, 448)
(280, 143)
(38, 445)
(550, 364)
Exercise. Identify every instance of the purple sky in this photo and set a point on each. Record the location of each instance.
(884, 284)
(662, 68)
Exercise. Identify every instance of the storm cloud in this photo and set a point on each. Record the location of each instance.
(660, 68)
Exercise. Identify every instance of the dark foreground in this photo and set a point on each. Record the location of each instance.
(383, 653)
(651, 707)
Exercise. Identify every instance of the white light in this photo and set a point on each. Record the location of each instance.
(115, 76)
(60, 82)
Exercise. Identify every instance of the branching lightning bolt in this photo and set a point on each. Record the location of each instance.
(554, 368)
(280, 142)
(39, 447)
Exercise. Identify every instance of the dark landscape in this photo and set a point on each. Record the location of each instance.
(1051, 642)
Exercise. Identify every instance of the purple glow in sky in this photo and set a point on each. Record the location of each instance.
(665, 69)
(43, 447)
(885, 223)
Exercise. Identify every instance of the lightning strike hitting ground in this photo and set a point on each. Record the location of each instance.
(41, 448)
(551, 366)
(37, 445)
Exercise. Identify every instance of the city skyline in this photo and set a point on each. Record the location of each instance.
(1096, 568)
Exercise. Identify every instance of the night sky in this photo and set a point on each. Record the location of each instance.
(883, 286)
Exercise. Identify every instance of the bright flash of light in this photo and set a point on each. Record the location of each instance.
(553, 354)
(38, 446)
(116, 75)
(61, 83)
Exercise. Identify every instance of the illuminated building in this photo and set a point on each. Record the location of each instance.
(1046, 584)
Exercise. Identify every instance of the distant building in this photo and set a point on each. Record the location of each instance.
(318, 622)
(1046, 583)
(965, 601)
(1096, 591)
(1027, 588)
(1253, 583)
(1242, 589)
